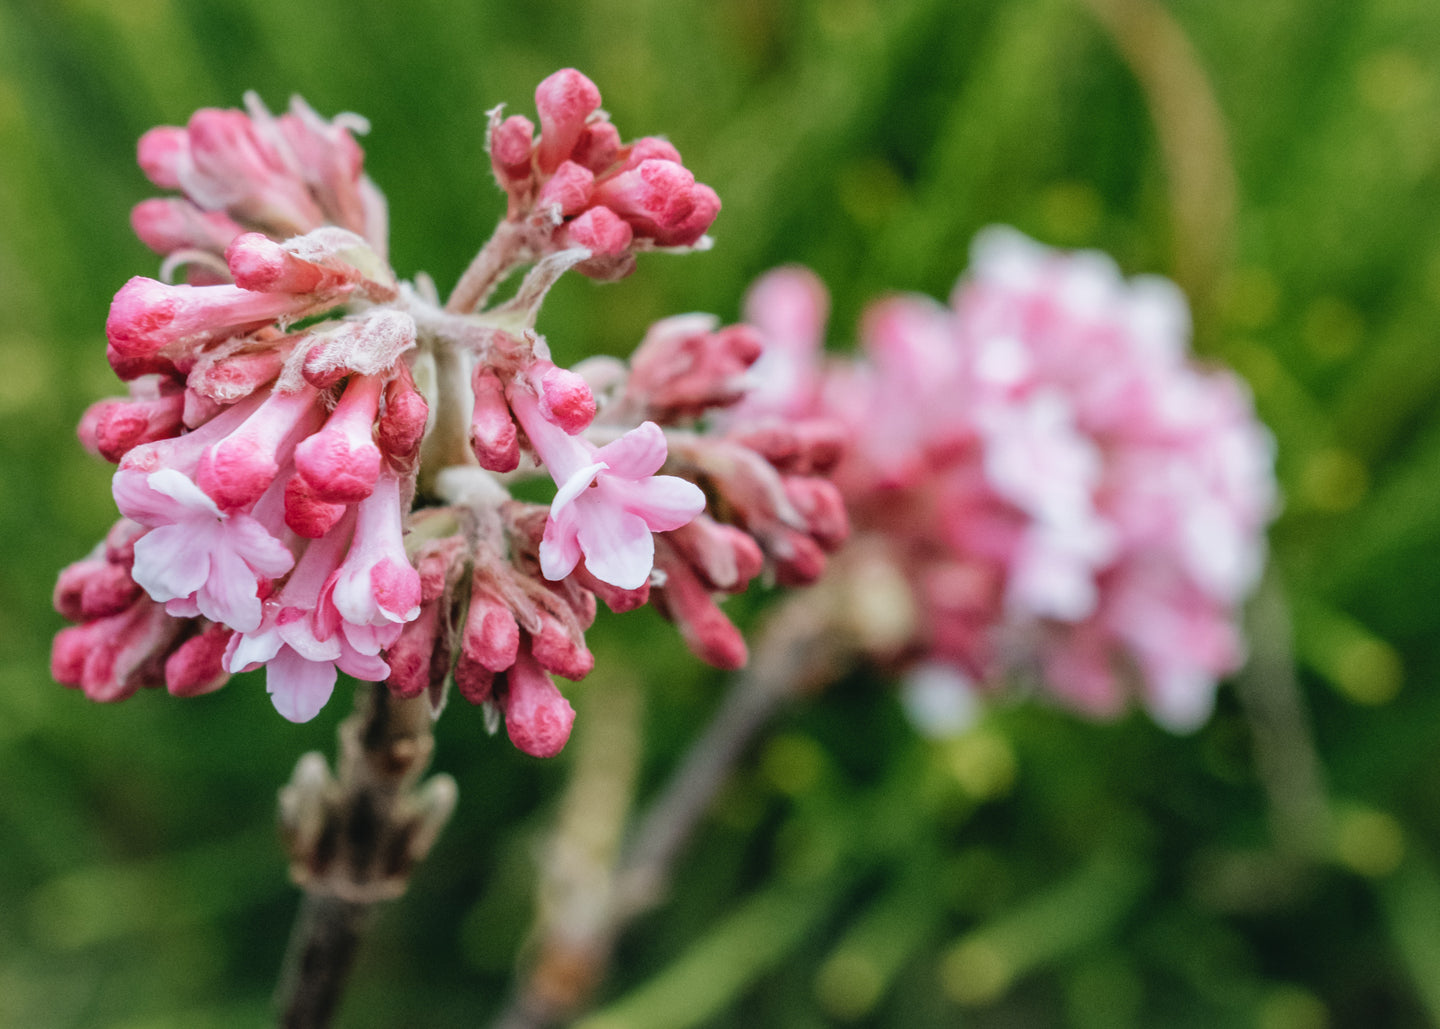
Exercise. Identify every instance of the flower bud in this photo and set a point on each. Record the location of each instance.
(168, 224)
(161, 153)
(564, 100)
(196, 666)
(537, 716)
(653, 196)
(706, 631)
(511, 141)
(598, 147)
(568, 189)
(492, 430)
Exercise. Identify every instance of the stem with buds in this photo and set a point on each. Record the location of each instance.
(354, 839)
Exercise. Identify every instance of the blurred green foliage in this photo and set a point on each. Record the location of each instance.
(1279, 868)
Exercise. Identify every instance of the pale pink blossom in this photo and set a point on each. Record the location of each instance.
(1065, 491)
(196, 555)
(608, 499)
(300, 642)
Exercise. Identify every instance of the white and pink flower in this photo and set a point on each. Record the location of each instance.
(1064, 490)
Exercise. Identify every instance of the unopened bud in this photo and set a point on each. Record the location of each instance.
(564, 100)
(492, 429)
(537, 716)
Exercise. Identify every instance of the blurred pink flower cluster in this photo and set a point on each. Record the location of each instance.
(315, 456)
(1070, 501)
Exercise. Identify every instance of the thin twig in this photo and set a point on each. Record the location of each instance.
(317, 965)
(354, 839)
(799, 650)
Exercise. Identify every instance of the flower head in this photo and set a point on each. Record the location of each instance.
(1064, 491)
(295, 411)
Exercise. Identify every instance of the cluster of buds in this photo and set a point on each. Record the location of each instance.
(1056, 491)
(577, 185)
(314, 457)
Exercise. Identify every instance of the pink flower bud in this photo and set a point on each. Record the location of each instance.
(598, 147)
(198, 409)
(616, 599)
(167, 224)
(568, 189)
(684, 367)
(328, 160)
(809, 447)
(475, 682)
(111, 428)
(341, 462)
(705, 205)
(237, 375)
(128, 367)
(706, 631)
(439, 564)
(412, 655)
(491, 637)
(161, 153)
(559, 647)
(116, 655)
(68, 652)
(70, 587)
(601, 231)
(305, 513)
(565, 397)
(564, 100)
(147, 315)
(259, 263)
(510, 145)
(402, 422)
(196, 667)
(653, 196)
(235, 471)
(799, 560)
(492, 430)
(650, 148)
(724, 557)
(231, 167)
(108, 591)
(822, 507)
(537, 717)
(120, 541)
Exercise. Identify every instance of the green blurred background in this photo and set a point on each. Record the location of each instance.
(1278, 869)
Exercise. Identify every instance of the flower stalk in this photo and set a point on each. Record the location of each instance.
(354, 839)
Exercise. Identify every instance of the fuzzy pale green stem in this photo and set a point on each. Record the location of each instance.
(500, 255)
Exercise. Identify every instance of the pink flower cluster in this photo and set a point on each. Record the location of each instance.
(314, 456)
(1070, 499)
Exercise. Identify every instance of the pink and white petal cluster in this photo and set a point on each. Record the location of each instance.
(609, 499)
(267, 471)
(1066, 489)
(123, 640)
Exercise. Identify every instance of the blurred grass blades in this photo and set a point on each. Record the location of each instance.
(981, 966)
(101, 903)
(861, 969)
